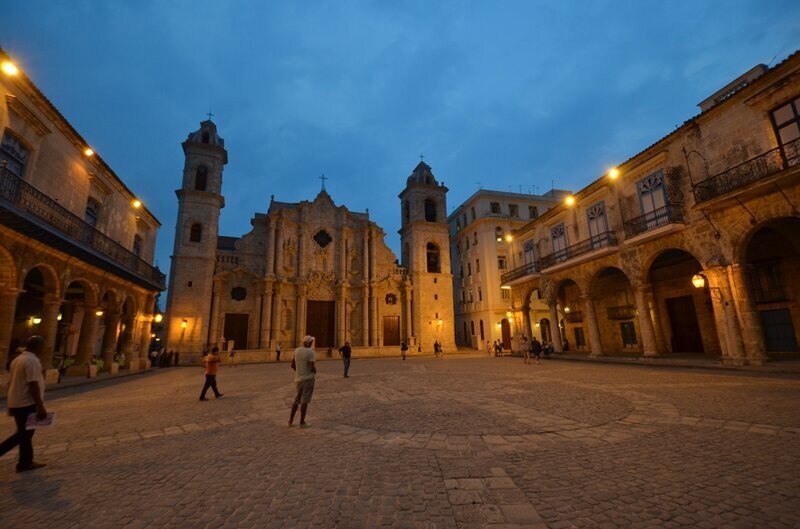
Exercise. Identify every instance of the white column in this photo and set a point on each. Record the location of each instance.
(590, 318)
(646, 329)
(555, 329)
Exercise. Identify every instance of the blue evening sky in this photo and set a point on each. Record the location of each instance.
(505, 93)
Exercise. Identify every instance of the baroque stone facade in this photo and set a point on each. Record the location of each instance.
(76, 245)
(691, 246)
(310, 267)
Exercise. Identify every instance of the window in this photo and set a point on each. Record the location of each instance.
(458, 248)
(481, 327)
(501, 262)
(322, 238)
(628, 332)
(206, 137)
(498, 234)
(406, 212)
(480, 294)
(201, 178)
(786, 120)
(513, 210)
(467, 242)
(464, 219)
(475, 238)
(477, 266)
(472, 328)
(469, 269)
(433, 258)
(505, 293)
(14, 154)
(238, 293)
(559, 237)
(196, 233)
(430, 210)
(463, 297)
(471, 299)
(598, 224)
(92, 214)
(495, 207)
(458, 225)
(529, 251)
(652, 193)
(461, 269)
(137, 246)
(533, 212)
(472, 212)
(580, 339)
(391, 299)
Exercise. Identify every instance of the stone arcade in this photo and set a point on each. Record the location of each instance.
(305, 268)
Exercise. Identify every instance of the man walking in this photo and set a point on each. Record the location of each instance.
(345, 352)
(278, 352)
(304, 365)
(403, 350)
(26, 396)
(211, 363)
(536, 349)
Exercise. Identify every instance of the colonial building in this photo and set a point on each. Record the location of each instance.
(690, 246)
(76, 245)
(310, 267)
(480, 232)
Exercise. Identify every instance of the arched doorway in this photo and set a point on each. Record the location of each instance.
(110, 312)
(544, 329)
(37, 311)
(772, 259)
(570, 309)
(684, 314)
(615, 310)
(125, 349)
(505, 332)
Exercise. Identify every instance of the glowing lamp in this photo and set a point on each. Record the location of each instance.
(184, 324)
(98, 313)
(499, 239)
(59, 317)
(440, 322)
(152, 335)
(509, 238)
(699, 281)
(613, 173)
(505, 287)
(566, 309)
(508, 314)
(36, 320)
(136, 204)
(570, 200)
(88, 152)
(9, 68)
(159, 317)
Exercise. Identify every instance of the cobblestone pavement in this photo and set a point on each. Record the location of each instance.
(455, 443)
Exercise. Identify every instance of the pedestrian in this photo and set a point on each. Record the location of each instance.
(526, 354)
(152, 357)
(403, 350)
(536, 349)
(233, 361)
(345, 351)
(488, 348)
(211, 364)
(278, 352)
(304, 365)
(26, 397)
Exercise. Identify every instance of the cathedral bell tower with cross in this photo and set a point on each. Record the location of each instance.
(425, 243)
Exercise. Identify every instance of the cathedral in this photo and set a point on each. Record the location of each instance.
(310, 267)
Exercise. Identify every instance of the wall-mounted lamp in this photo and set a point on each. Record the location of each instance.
(184, 324)
(613, 173)
(699, 280)
(88, 152)
(9, 68)
(36, 320)
(58, 318)
(136, 203)
(570, 200)
(566, 309)
(159, 317)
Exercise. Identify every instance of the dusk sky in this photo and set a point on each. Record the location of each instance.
(497, 94)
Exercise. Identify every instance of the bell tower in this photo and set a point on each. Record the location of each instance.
(425, 243)
(194, 254)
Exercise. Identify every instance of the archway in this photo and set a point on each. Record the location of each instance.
(615, 309)
(126, 350)
(505, 333)
(110, 313)
(771, 255)
(535, 309)
(570, 310)
(684, 318)
(76, 310)
(37, 311)
(544, 329)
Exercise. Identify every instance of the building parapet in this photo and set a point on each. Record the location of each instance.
(595, 242)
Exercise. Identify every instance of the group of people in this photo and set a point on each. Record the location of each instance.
(163, 358)
(530, 348)
(438, 352)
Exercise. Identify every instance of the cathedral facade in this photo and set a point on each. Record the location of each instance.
(310, 267)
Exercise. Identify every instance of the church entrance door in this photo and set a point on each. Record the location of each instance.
(236, 330)
(391, 330)
(320, 322)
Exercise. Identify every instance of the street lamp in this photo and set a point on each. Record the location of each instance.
(159, 317)
(699, 280)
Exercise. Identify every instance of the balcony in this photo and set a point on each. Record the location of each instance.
(27, 210)
(522, 271)
(753, 170)
(670, 214)
(595, 242)
(621, 312)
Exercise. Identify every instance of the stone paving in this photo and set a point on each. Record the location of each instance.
(454, 443)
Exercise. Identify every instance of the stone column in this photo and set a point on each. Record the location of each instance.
(88, 336)
(279, 240)
(144, 342)
(109, 338)
(213, 325)
(640, 295)
(8, 309)
(748, 316)
(276, 314)
(49, 328)
(527, 331)
(555, 329)
(270, 257)
(590, 318)
(365, 310)
(266, 316)
(373, 335)
(378, 322)
(341, 314)
(407, 312)
(727, 322)
(300, 324)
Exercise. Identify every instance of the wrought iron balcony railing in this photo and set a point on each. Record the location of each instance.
(521, 271)
(757, 168)
(595, 242)
(621, 312)
(573, 316)
(24, 196)
(668, 214)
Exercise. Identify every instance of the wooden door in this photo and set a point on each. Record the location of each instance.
(505, 329)
(391, 330)
(321, 322)
(683, 323)
(236, 330)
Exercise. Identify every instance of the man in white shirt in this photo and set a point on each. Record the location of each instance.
(26, 396)
(304, 365)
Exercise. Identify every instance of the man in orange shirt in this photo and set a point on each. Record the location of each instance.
(212, 365)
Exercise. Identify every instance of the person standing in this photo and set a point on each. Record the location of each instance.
(536, 349)
(488, 348)
(403, 350)
(304, 365)
(345, 351)
(526, 351)
(26, 396)
(278, 352)
(233, 361)
(211, 364)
